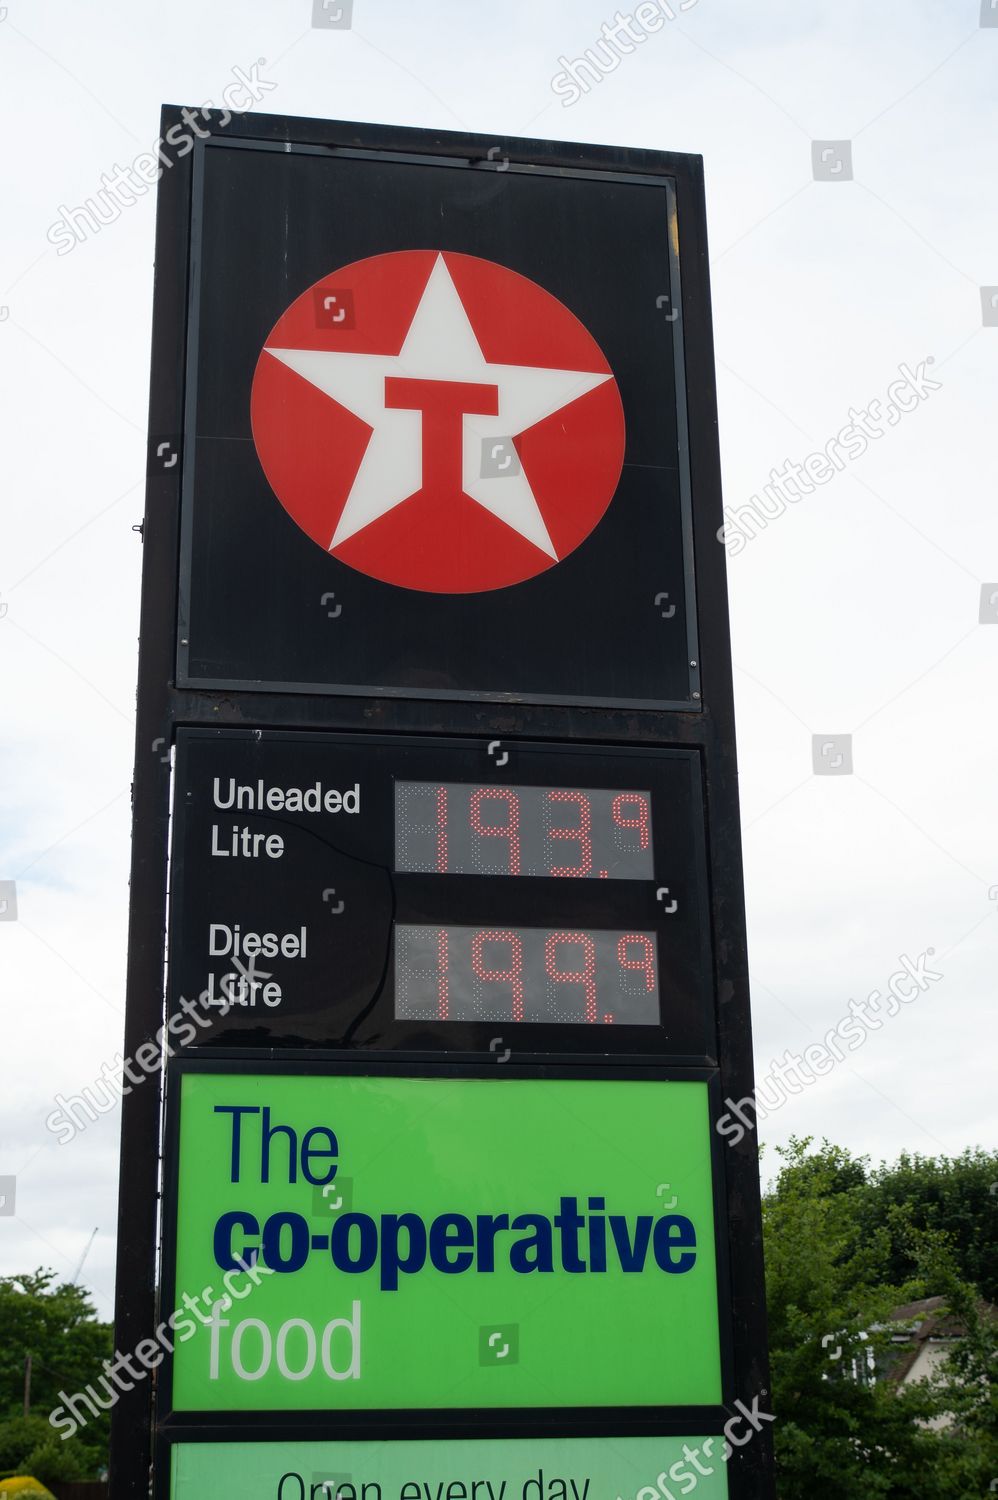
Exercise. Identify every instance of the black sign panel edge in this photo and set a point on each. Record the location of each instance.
(162, 707)
(674, 233)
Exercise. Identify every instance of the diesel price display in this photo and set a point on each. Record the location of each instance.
(374, 891)
(526, 974)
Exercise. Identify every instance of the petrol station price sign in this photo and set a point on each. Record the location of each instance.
(435, 900)
(402, 893)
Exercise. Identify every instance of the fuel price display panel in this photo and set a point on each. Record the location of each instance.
(526, 974)
(430, 894)
(470, 829)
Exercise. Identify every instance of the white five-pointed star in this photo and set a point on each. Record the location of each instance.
(440, 345)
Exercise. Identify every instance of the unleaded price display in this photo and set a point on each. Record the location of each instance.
(468, 829)
(414, 894)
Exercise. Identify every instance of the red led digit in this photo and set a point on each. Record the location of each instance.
(443, 973)
(583, 833)
(586, 976)
(642, 821)
(645, 963)
(513, 976)
(509, 830)
(441, 830)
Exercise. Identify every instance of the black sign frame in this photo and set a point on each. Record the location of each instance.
(194, 591)
(166, 703)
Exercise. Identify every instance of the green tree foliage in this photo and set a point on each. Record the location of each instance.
(958, 1197)
(57, 1325)
(28, 1445)
(830, 1271)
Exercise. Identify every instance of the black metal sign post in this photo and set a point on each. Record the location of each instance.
(435, 733)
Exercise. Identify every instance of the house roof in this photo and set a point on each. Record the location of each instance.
(932, 1320)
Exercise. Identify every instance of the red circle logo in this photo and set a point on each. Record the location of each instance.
(437, 421)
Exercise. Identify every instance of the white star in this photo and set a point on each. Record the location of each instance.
(440, 345)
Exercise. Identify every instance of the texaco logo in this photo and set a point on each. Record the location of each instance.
(438, 422)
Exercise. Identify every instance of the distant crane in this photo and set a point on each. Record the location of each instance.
(86, 1251)
(27, 1358)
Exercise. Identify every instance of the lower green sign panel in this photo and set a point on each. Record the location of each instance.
(508, 1469)
(349, 1242)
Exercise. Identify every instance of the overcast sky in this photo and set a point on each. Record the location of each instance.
(856, 611)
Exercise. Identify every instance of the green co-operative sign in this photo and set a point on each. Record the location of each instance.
(350, 1242)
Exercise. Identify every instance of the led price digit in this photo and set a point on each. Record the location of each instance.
(443, 975)
(642, 822)
(441, 830)
(586, 976)
(583, 833)
(510, 830)
(645, 964)
(513, 976)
